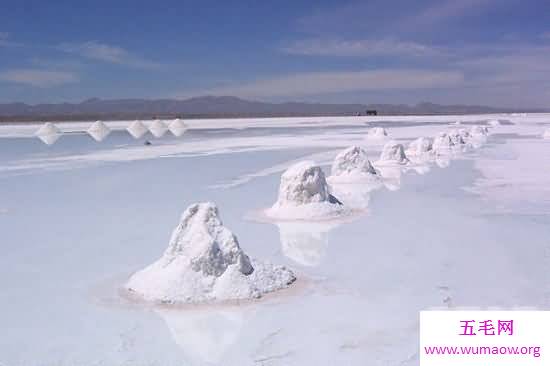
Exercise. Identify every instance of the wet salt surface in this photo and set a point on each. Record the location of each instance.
(428, 244)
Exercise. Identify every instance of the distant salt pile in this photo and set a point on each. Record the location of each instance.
(419, 148)
(99, 131)
(457, 123)
(48, 133)
(377, 133)
(443, 144)
(158, 128)
(546, 134)
(177, 127)
(137, 129)
(393, 152)
(352, 165)
(203, 263)
(479, 131)
(494, 122)
(304, 195)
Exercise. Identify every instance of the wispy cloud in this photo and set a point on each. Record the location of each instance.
(107, 53)
(38, 78)
(316, 83)
(359, 47)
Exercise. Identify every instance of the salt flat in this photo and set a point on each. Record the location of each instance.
(79, 217)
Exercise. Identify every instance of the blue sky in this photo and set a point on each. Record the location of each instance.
(493, 52)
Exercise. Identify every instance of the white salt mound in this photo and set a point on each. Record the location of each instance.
(393, 152)
(494, 122)
(48, 133)
(459, 137)
(304, 195)
(546, 134)
(443, 143)
(177, 127)
(137, 129)
(47, 128)
(419, 147)
(352, 165)
(479, 131)
(158, 128)
(204, 262)
(99, 131)
(377, 133)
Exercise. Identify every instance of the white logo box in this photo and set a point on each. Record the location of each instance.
(528, 345)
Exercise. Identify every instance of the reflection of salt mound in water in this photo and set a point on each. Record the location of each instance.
(546, 134)
(392, 152)
(352, 165)
(204, 262)
(158, 128)
(377, 133)
(99, 131)
(205, 336)
(137, 129)
(177, 127)
(48, 133)
(391, 175)
(305, 242)
(304, 195)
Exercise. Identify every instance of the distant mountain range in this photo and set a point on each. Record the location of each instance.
(219, 106)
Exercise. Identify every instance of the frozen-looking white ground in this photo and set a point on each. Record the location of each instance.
(78, 217)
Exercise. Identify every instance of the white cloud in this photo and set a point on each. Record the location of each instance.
(38, 78)
(107, 53)
(316, 83)
(360, 47)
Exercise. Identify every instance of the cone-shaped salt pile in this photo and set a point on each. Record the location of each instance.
(304, 195)
(377, 133)
(352, 165)
(158, 128)
(459, 137)
(422, 146)
(443, 144)
(546, 134)
(477, 131)
(177, 127)
(48, 133)
(99, 131)
(204, 262)
(137, 129)
(392, 152)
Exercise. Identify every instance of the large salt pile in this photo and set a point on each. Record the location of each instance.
(377, 133)
(351, 166)
(99, 131)
(393, 152)
(204, 262)
(48, 133)
(158, 128)
(304, 195)
(137, 129)
(177, 127)
(479, 131)
(419, 148)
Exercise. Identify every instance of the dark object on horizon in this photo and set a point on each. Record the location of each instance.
(147, 143)
(372, 112)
